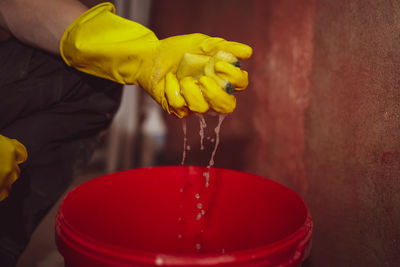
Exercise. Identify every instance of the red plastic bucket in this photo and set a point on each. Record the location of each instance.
(168, 216)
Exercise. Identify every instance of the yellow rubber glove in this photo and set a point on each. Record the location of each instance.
(183, 73)
(12, 153)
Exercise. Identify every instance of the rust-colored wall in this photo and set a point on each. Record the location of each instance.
(322, 113)
(352, 127)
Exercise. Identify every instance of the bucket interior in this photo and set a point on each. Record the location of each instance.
(171, 210)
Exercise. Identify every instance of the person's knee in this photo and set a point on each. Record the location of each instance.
(7, 259)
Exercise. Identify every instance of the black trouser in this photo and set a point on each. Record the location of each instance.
(57, 113)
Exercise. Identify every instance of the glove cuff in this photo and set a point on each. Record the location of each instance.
(108, 46)
(90, 13)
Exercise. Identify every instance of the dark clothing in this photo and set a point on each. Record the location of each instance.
(58, 114)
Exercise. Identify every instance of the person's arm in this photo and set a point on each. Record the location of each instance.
(184, 74)
(40, 23)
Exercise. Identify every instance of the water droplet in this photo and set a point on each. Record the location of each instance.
(207, 176)
(184, 127)
(159, 261)
(203, 125)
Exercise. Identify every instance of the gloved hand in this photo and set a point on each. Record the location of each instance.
(183, 73)
(12, 153)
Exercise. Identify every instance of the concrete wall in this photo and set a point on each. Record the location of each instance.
(322, 113)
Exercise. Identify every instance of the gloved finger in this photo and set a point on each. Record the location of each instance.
(231, 76)
(158, 94)
(191, 91)
(181, 113)
(235, 76)
(212, 45)
(209, 71)
(4, 194)
(5, 187)
(175, 100)
(172, 91)
(239, 50)
(21, 154)
(216, 96)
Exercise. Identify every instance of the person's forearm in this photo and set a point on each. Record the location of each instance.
(40, 23)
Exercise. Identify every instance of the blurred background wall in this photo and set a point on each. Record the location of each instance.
(321, 116)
